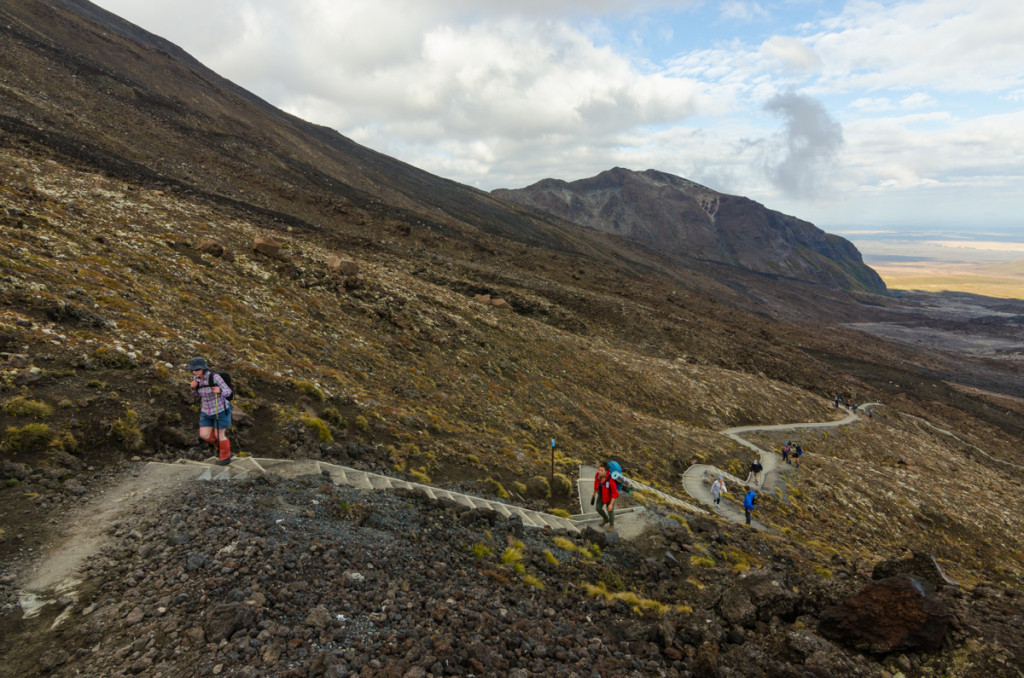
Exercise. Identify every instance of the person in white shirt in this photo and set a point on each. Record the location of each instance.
(718, 489)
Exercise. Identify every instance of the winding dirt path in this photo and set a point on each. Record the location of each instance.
(86, 530)
(697, 479)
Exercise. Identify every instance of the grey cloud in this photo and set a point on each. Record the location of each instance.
(807, 148)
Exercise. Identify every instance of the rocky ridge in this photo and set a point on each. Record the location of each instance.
(675, 215)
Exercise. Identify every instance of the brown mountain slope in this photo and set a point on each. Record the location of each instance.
(133, 184)
(678, 216)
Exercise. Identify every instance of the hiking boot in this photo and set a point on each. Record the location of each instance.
(224, 462)
(602, 523)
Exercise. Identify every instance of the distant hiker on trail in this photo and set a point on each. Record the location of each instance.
(718, 489)
(749, 503)
(621, 481)
(214, 408)
(755, 472)
(606, 491)
(785, 452)
(837, 402)
(797, 453)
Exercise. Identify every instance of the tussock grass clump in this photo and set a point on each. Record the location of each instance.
(127, 430)
(66, 442)
(21, 406)
(361, 424)
(538, 487)
(572, 547)
(332, 415)
(560, 486)
(550, 557)
(634, 601)
(308, 388)
(513, 557)
(497, 488)
(738, 560)
(481, 550)
(702, 561)
(319, 428)
(561, 513)
(533, 581)
(115, 358)
(28, 438)
(682, 521)
(420, 475)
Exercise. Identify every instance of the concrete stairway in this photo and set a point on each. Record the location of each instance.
(247, 467)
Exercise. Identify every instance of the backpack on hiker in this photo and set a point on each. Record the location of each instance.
(621, 482)
(227, 380)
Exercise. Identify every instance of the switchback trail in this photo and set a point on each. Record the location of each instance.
(697, 478)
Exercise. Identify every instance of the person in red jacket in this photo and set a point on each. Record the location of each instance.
(606, 491)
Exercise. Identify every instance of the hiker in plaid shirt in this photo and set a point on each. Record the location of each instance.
(214, 409)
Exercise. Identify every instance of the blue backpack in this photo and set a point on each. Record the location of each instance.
(614, 467)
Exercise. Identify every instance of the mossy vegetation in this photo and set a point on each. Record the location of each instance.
(308, 388)
(319, 428)
(496, 488)
(637, 603)
(126, 429)
(24, 439)
(20, 406)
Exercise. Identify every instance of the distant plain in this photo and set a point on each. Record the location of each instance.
(992, 266)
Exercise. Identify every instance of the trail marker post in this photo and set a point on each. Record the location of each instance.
(552, 459)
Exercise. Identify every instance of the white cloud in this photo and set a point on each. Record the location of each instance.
(872, 105)
(507, 92)
(918, 100)
(793, 53)
(742, 11)
(946, 45)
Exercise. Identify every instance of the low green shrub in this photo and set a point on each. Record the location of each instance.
(28, 438)
(24, 407)
(319, 428)
(308, 388)
(497, 488)
(127, 430)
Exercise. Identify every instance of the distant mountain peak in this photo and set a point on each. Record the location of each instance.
(680, 217)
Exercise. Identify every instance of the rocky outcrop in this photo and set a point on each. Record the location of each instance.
(890, 615)
(921, 566)
(677, 216)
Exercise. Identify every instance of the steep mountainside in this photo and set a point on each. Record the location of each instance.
(376, 316)
(674, 215)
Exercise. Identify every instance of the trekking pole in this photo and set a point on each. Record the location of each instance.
(216, 419)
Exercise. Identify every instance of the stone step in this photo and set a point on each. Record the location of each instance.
(244, 467)
(295, 469)
(358, 480)
(336, 472)
(425, 489)
(379, 482)
(500, 508)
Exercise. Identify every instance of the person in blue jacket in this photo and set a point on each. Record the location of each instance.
(749, 502)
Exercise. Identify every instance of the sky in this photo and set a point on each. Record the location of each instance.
(870, 119)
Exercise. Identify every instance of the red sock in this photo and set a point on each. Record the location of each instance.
(225, 449)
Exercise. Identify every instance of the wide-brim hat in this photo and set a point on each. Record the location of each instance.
(197, 364)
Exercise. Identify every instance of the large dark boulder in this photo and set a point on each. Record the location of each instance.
(891, 615)
(921, 566)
